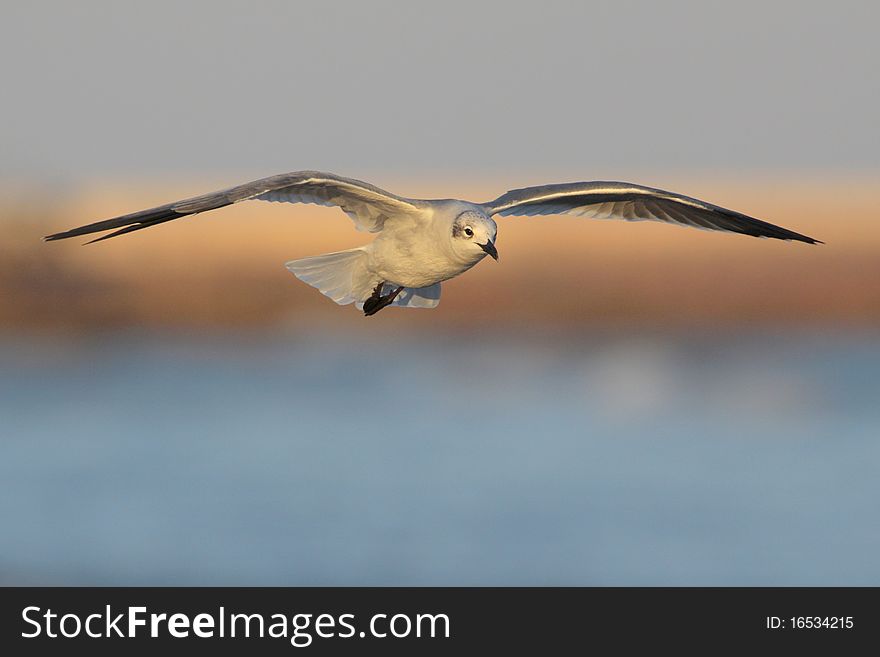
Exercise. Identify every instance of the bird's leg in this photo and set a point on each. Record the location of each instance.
(370, 305)
(377, 302)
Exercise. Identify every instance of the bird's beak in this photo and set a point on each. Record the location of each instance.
(489, 248)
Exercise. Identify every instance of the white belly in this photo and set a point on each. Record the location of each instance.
(413, 262)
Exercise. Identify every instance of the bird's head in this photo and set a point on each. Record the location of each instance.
(473, 235)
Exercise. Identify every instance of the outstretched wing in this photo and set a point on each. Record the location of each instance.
(366, 204)
(616, 200)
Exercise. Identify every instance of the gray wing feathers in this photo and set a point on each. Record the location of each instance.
(616, 200)
(367, 205)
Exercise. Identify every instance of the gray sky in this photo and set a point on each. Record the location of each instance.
(161, 88)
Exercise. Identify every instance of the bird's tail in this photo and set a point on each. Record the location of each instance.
(344, 277)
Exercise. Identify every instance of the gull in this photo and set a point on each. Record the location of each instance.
(421, 243)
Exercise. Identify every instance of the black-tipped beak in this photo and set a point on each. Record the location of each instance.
(489, 248)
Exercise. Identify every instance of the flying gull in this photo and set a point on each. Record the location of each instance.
(421, 243)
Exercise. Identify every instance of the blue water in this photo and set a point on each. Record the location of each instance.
(441, 459)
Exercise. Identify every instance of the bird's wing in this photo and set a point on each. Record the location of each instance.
(367, 205)
(616, 200)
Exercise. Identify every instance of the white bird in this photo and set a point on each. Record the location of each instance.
(421, 243)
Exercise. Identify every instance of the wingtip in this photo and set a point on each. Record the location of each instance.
(61, 236)
(798, 237)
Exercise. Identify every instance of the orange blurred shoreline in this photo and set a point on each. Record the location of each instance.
(225, 269)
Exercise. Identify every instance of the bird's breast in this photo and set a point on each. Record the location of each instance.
(414, 262)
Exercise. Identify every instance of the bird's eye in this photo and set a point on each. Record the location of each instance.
(468, 231)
